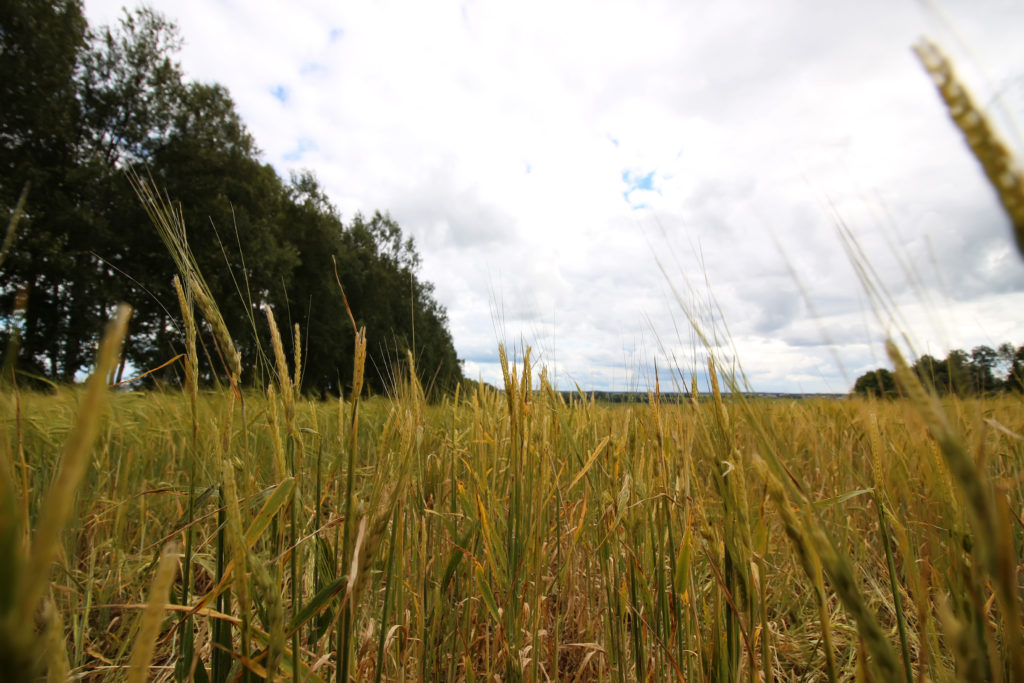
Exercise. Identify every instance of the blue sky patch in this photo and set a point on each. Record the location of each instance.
(304, 145)
(280, 93)
(310, 68)
(637, 182)
(335, 35)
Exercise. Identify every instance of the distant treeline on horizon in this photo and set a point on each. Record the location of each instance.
(639, 396)
(671, 396)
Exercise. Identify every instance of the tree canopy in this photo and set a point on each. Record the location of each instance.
(982, 371)
(78, 108)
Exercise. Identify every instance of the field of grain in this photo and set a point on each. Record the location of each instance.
(510, 536)
(230, 534)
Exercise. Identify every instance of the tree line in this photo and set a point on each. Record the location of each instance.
(982, 371)
(79, 107)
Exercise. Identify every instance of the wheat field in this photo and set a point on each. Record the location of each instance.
(516, 536)
(507, 535)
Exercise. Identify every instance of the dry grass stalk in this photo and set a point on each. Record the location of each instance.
(297, 381)
(277, 446)
(359, 363)
(807, 554)
(232, 358)
(61, 497)
(236, 535)
(1000, 167)
(271, 592)
(170, 224)
(12, 223)
(149, 627)
(281, 362)
(459, 458)
(185, 302)
(995, 547)
(57, 667)
(951, 446)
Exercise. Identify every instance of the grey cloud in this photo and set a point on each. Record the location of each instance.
(778, 303)
(444, 216)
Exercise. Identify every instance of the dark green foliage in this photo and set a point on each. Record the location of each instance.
(130, 91)
(109, 98)
(40, 123)
(878, 383)
(378, 270)
(1012, 360)
(983, 371)
(77, 109)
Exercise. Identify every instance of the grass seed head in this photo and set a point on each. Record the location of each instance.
(283, 378)
(999, 165)
(297, 382)
(152, 615)
(185, 302)
(232, 358)
(359, 363)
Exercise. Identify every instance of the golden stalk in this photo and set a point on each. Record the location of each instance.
(236, 535)
(211, 312)
(999, 165)
(149, 628)
(275, 435)
(359, 363)
(284, 381)
(185, 302)
(61, 497)
(297, 382)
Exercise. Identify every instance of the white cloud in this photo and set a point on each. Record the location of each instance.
(547, 156)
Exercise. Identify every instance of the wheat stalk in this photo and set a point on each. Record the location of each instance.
(61, 497)
(1000, 167)
(145, 641)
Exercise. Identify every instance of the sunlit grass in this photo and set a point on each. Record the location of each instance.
(504, 535)
(525, 536)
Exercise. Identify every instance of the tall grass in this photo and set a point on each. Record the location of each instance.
(518, 534)
(633, 547)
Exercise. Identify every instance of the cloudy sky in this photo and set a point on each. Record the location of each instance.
(585, 177)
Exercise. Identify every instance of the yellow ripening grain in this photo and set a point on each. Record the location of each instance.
(566, 539)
